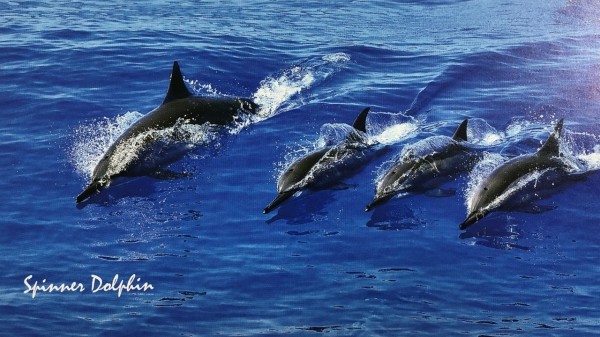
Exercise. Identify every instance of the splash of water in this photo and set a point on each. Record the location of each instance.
(581, 150)
(203, 88)
(92, 140)
(274, 91)
(481, 171)
(479, 132)
(336, 58)
(283, 92)
(591, 160)
(389, 128)
(333, 133)
(396, 133)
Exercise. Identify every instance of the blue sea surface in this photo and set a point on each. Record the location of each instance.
(75, 74)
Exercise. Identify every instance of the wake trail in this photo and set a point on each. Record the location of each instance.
(285, 91)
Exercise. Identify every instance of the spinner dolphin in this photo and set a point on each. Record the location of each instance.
(443, 157)
(178, 106)
(326, 165)
(489, 193)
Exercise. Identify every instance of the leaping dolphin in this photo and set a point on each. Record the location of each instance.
(445, 157)
(178, 106)
(326, 165)
(490, 194)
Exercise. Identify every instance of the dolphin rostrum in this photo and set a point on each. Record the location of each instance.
(325, 165)
(442, 157)
(494, 190)
(179, 106)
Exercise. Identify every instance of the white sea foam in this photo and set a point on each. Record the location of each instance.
(203, 88)
(274, 91)
(396, 133)
(334, 133)
(337, 58)
(283, 92)
(92, 140)
(581, 150)
(389, 128)
(591, 160)
(479, 132)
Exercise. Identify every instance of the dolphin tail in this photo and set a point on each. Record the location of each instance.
(93, 188)
(471, 219)
(378, 201)
(283, 196)
(361, 121)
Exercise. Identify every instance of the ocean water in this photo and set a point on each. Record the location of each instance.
(74, 75)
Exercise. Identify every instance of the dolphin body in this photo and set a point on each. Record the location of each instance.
(324, 166)
(505, 177)
(178, 106)
(412, 173)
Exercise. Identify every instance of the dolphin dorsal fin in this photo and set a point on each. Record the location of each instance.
(177, 88)
(460, 135)
(360, 121)
(550, 147)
